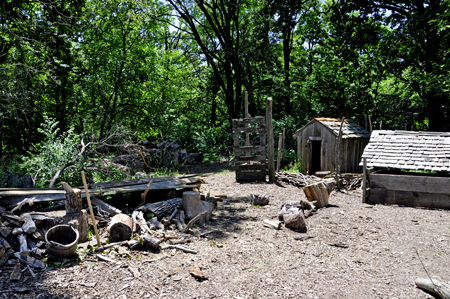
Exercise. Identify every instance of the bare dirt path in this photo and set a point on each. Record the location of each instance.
(350, 250)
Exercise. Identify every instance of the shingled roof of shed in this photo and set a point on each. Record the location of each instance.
(349, 129)
(408, 150)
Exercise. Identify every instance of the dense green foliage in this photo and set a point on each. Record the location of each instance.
(179, 68)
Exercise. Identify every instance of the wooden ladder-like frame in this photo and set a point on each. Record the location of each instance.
(250, 161)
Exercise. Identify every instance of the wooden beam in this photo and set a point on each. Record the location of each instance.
(270, 150)
(411, 183)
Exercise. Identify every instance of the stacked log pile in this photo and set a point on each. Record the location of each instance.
(22, 230)
(348, 181)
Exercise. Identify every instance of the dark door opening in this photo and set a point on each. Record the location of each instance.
(315, 156)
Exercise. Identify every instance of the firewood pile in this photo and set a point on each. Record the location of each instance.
(348, 181)
(147, 155)
(24, 229)
(297, 179)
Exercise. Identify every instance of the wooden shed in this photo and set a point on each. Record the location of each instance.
(408, 168)
(316, 145)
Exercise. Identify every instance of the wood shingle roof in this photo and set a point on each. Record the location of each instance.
(408, 150)
(349, 129)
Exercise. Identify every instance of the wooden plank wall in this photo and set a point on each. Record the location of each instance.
(351, 149)
(407, 190)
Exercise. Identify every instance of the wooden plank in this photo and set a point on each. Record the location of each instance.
(250, 149)
(247, 135)
(364, 180)
(11, 201)
(248, 130)
(427, 184)
(270, 149)
(250, 167)
(408, 198)
(236, 140)
(259, 158)
(254, 120)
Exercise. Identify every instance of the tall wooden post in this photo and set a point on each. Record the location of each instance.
(337, 162)
(280, 149)
(370, 124)
(247, 135)
(284, 148)
(364, 180)
(270, 150)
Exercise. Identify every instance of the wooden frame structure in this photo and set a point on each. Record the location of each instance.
(399, 161)
(250, 161)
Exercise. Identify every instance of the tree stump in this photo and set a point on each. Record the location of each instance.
(82, 226)
(120, 228)
(319, 192)
(74, 202)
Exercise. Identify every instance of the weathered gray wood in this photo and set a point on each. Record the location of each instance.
(81, 220)
(6, 256)
(250, 149)
(261, 158)
(295, 221)
(427, 184)
(408, 198)
(29, 260)
(434, 285)
(250, 167)
(280, 147)
(337, 163)
(74, 201)
(16, 274)
(10, 202)
(364, 181)
(270, 149)
(319, 191)
(28, 226)
(272, 224)
(254, 120)
(4, 230)
(162, 208)
(24, 251)
(247, 135)
(105, 206)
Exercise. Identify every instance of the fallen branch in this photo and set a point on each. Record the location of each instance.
(193, 220)
(179, 248)
(435, 286)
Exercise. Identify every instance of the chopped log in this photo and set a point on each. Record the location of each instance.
(17, 231)
(34, 248)
(259, 200)
(162, 208)
(173, 215)
(307, 205)
(4, 243)
(120, 228)
(4, 230)
(105, 206)
(193, 205)
(74, 202)
(134, 244)
(288, 208)
(150, 241)
(16, 274)
(28, 226)
(29, 260)
(295, 221)
(24, 251)
(155, 224)
(6, 256)
(319, 192)
(272, 224)
(177, 222)
(193, 220)
(141, 221)
(434, 285)
(2, 250)
(80, 217)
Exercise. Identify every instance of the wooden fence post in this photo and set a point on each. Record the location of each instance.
(280, 149)
(270, 150)
(337, 162)
(247, 135)
(364, 180)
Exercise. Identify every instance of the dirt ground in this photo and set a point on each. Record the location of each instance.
(350, 250)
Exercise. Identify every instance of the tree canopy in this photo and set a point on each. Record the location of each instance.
(180, 68)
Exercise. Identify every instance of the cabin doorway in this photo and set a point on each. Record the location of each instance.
(314, 156)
